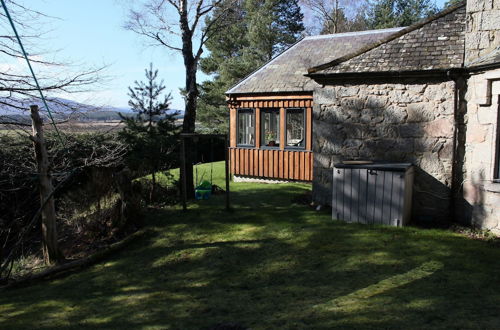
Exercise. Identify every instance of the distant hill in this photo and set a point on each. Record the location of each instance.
(63, 109)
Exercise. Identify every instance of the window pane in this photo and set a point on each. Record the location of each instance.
(246, 127)
(270, 128)
(295, 128)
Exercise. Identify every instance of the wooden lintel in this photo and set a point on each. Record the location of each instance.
(305, 96)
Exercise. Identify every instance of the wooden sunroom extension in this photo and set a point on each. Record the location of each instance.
(271, 110)
(271, 137)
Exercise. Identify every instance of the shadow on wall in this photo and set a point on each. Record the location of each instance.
(474, 202)
(410, 122)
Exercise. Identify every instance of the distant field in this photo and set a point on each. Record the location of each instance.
(93, 126)
(69, 128)
(73, 127)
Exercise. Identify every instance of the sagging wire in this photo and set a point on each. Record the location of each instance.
(31, 70)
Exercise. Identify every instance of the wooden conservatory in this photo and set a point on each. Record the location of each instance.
(271, 110)
(271, 137)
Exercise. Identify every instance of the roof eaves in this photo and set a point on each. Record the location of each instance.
(313, 70)
(325, 78)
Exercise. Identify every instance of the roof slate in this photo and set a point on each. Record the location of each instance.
(491, 58)
(437, 43)
(285, 73)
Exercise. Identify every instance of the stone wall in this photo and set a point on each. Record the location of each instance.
(481, 142)
(399, 122)
(483, 28)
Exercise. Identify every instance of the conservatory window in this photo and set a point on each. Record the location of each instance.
(270, 127)
(246, 127)
(295, 128)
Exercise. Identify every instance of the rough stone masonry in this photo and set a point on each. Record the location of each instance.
(483, 28)
(408, 121)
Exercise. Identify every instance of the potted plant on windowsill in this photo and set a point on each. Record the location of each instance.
(271, 139)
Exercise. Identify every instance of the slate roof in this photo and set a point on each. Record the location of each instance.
(285, 73)
(433, 44)
(491, 58)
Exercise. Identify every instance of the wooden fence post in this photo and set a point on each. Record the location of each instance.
(226, 171)
(51, 251)
(183, 174)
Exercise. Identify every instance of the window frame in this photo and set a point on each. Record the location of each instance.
(262, 133)
(496, 165)
(304, 115)
(246, 110)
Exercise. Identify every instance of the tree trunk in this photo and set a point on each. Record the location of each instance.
(51, 251)
(153, 186)
(123, 183)
(188, 125)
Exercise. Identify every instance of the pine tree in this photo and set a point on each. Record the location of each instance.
(258, 31)
(382, 15)
(395, 13)
(151, 133)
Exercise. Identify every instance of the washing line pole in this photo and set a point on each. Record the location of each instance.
(31, 68)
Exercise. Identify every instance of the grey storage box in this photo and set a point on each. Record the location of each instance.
(378, 193)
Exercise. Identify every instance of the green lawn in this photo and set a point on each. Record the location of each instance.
(271, 264)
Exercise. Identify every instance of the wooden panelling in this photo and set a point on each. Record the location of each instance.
(255, 153)
(276, 163)
(309, 128)
(266, 163)
(285, 165)
(299, 102)
(250, 162)
(232, 160)
(271, 97)
(279, 163)
(257, 126)
(272, 163)
(261, 163)
(232, 127)
(302, 165)
(307, 169)
(282, 128)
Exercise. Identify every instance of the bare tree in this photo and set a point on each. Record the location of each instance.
(18, 89)
(179, 26)
(335, 16)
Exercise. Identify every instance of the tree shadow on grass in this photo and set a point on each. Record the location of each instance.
(270, 264)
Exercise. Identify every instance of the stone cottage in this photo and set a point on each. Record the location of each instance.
(426, 94)
(396, 101)
(271, 109)
(481, 179)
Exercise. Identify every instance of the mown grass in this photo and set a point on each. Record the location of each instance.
(271, 264)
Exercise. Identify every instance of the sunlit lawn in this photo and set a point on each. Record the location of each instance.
(271, 264)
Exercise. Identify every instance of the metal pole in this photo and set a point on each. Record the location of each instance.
(226, 163)
(183, 174)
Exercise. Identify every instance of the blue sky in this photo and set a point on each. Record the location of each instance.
(91, 33)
